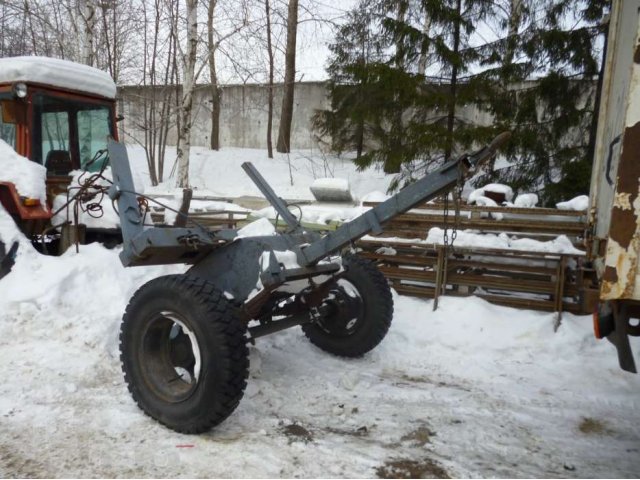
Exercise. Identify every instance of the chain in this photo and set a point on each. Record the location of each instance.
(444, 223)
(457, 199)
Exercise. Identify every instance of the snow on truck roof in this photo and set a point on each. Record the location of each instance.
(57, 73)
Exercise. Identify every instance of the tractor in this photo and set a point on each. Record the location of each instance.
(58, 114)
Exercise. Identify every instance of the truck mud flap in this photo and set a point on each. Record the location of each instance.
(620, 337)
(7, 259)
(611, 321)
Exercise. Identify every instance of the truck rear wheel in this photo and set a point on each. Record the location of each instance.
(360, 313)
(184, 353)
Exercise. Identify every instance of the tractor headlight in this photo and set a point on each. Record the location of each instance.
(19, 90)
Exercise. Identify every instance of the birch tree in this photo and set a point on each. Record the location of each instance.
(286, 115)
(271, 67)
(88, 21)
(188, 85)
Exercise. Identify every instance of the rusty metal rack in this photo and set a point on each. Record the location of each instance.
(517, 278)
(535, 223)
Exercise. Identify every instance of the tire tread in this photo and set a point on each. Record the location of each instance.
(223, 318)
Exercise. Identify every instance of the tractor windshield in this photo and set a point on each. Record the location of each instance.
(69, 133)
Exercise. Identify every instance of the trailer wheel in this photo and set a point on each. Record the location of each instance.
(361, 309)
(184, 353)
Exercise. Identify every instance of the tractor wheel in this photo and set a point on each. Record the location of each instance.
(184, 353)
(360, 311)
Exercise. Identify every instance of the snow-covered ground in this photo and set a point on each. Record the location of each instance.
(218, 173)
(471, 389)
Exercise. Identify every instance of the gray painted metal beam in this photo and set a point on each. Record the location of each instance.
(270, 195)
(425, 189)
(428, 187)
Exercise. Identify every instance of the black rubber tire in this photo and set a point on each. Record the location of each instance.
(377, 306)
(221, 341)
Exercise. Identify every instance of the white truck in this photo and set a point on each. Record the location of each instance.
(615, 186)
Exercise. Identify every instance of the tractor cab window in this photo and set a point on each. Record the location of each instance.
(68, 134)
(55, 136)
(7, 130)
(93, 129)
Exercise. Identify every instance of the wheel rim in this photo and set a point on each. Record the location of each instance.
(345, 310)
(170, 357)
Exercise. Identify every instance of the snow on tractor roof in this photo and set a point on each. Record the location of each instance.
(57, 73)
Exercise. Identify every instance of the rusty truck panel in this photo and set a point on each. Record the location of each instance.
(615, 202)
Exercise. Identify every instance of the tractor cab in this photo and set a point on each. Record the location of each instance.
(58, 114)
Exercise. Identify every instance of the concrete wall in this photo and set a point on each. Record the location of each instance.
(243, 121)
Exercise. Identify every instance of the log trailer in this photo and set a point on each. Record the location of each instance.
(183, 338)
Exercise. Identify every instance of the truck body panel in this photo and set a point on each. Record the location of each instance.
(615, 196)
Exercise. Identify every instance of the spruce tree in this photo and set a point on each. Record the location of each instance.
(537, 80)
(355, 50)
(545, 71)
(407, 119)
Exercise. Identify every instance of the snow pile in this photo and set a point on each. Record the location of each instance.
(287, 258)
(27, 176)
(477, 197)
(59, 73)
(579, 204)
(465, 238)
(483, 201)
(318, 213)
(330, 183)
(375, 196)
(172, 206)
(259, 228)
(77, 297)
(480, 194)
(501, 189)
(526, 200)
(215, 206)
(212, 207)
(9, 233)
(107, 218)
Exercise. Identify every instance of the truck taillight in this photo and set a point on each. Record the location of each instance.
(596, 325)
(31, 202)
(603, 322)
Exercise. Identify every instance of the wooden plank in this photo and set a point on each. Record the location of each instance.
(419, 223)
(508, 301)
(486, 209)
(418, 247)
(471, 280)
(440, 271)
(539, 269)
